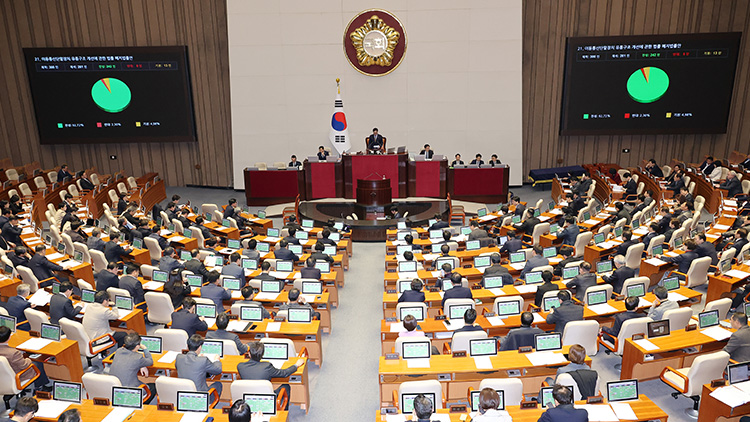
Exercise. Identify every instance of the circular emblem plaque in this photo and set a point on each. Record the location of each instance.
(375, 42)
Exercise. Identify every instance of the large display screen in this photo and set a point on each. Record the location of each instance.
(111, 94)
(649, 84)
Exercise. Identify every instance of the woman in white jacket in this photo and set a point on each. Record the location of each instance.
(717, 171)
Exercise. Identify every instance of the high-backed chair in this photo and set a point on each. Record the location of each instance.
(538, 231)
(628, 329)
(68, 241)
(28, 277)
(512, 388)
(116, 291)
(78, 246)
(678, 318)
(411, 305)
(291, 349)
(172, 339)
(87, 346)
(655, 241)
(633, 256)
(147, 271)
(607, 288)
(230, 347)
(239, 388)
(154, 250)
(398, 346)
(689, 381)
(503, 299)
(98, 260)
(584, 333)
(35, 318)
(40, 183)
(159, 307)
(99, 385)
(634, 280)
(567, 379)
(697, 273)
(209, 208)
(452, 302)
(722, 305)
(12, 386)
(420, 387)
(167, 388)
(460, 340)
(582, 240)
(83, 284)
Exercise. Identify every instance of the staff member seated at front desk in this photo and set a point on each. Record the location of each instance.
(375, 143)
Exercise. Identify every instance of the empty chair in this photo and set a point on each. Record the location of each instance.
(40, 183)
(147, 271)
(78, 246)
(35, 318)
(633, 256)
(419, 387)
(121, 188)
(172, 339)
(411, 305)
(722, 305)
(538, 231)
(73, 190)
(159, 307)
(13, 386)
(606, 288)
(678, 318)
(100, 385)
(28, 277)
(116, 291)
(12, 174)
(209, 208)
(132, 183)
(629, 327)
(25, 190)
(242, 387)
(511, 387)
(631, 281)
(460, 340)
(154, 250)
(261, 166)
(582, 240)
(584, 333)
(655, 241)
(689, 381)
(83, 284)
(87, 347)
(178, 226)
(113, 196)
(167, 388)
(456, 302)
(69, 248)
(98, 260)
(504, 299)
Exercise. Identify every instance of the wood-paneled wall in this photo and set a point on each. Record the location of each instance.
(546, 25)
(199, 24)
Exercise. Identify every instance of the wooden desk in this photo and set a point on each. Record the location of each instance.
(719, 285)
(134, 321)
(644, 409)
(462, 184)
(713, 410)
(268, 187)
(427, 178)
(66, 364)
(669, 353)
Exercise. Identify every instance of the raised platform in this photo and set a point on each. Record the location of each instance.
(368, 228)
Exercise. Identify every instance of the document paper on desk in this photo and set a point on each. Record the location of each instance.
(496, 291)
(602, 308)
(731, 396)
(51, 409)
(623, 411)
(655, 262)
(518, 266)
(40, 298)
(168, 357)
(152, 285)
(237, 326)
(34, 344)
(118, 414)
(266, 296)
(737, 274)
(717, 333)
(545, 358)
(487, 217)
(418, 363)
(482, 362)
(177, 238)
(397, 327)
(193, 417)
(273, 326)
(599, 412)
(495, 321)
(408, 276)
(526, 288)
(646, 345)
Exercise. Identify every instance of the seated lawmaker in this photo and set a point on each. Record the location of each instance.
(738, 345)
(457, 161)
(477, 160)
(186, 319)
(546, 286)
(375, 142)
(469, 317)
(631, 303)
(494, 161)
(567, 311)
(439, 223)
(196, 367)
(415, 294)
(563, 411)
(18, 303)
(24, 411)
(322, 153)
(427, 152)
(221, 333)
(489, 402)
(522, 336)
(582, 281)
(309, 271)
(63, 173)
(458, 291)
(254, 369)
(214, 291)
(60, 305)
(294, 162)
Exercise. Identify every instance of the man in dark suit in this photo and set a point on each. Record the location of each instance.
(476, 232)
(195, 367)
(458, 291)
(292, 223)
(186, 319)
(738, 345)
(294, 162)
(439, 224)
(265, 267)
(683, 260)
(375, 141)
(318, 255)
(513, 244)
(631, 303)
(19, 256)
(537, 260)
(622, 212)
(309, 271)
(522, 336)
(564, 410)
(575, 202)
(284, 253)
(705, 248)
(619, 275)
(565, 313)
(415, 294)
(43, 267)
(582, 281)
(497, 270)
(18, 303)
(427, 152)
(130, 283)
(60, 305)
(95, 241)
(63, 173)
(653, 169)
(214, 291)
(5, 216)
(11, 231)
(107, 278)
(520, 208)
(666, 217)
(112, 250)
(85, 182)
(708, 165)
(322, 153)
(527, 226)
(477, 160)
(254, 369)
(739, 242)
(567, 253)
(221, 333)
(326, 233)
(570, 231)
(640, 204)
(130, 360)
(168, 262)
(653, 231)
(546, 286)
(732, 185)
(234, 267)
(676, 183)
(629, 184)
(291, 238)
(457, 161)
(469, 317)
(195, 266)
(582, 186)
(622, 248)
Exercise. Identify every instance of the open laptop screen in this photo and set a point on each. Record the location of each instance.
(738, 372)
(192, 401)
(66, 391)
(603, 266)
(512, 307)
(483, 347)
(415, 349)
(50, 332)
(457, 311)
(251, 313)
(550, 303)
(416, 311)
(127, 397)
(152, 343)
(205, 310)
(551, 341)
(569, 272)
(622, 390)
(8, 321)
(708, 318)
(658, 328)
(596, 297)
(275, 351)
(264, 403)
(636, 290)
(299, 315)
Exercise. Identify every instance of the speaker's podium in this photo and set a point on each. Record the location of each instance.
(374, 195)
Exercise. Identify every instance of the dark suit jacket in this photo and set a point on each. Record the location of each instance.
(252, 370)
(427, 154)
(533, 262)
(496, 270)
(683, 260)
(134, 287)
(215, 293)
(95, 243)
(411, 296)
(630, 187)
(62, 174)
(86, 184)
(193, 367)
(105, 279)
(457, 292)
(292, 240)
(520, 337)
(286, 255)
(320, 256)
(707, 168)
(528, 225)
(167, 263)
(569, 234)
(439, 225)
(187, 321)
(471, 327)
(580, 283)
(42, 267)
(308, 272)
(512, 245)
(541, 290)
(15, 307)
(12, 234)
(565, 313)
(618, 277)
(520, 209)
(738, 345)
(374, 140)
(61, 307)
(113, 251)
(582, 187)
(622, 249)
(620, 318)
(656, 171)
(226, 335)
(734, 186)
(196, 267)
(708, 249)
(564, 413)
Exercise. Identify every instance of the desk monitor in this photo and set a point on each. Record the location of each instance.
(308, 224)
(231, 283)
(472, 245)
(517, 257)
(444, 260)
(249, 264)
(482, 261)
(271, 232)
(407, 266)
(78, 256)
(738, 372)
(66, 391)
(55, 288)
(747, 309)
(604, 266)
(263, 247)
(87, 295)
(400, 235)
(436, 234)
(465, 231)
(435, 248)
(205, 310)
(672, 283)
(586, 216)
(261, 214)
(170, 227)
(152, 343)
(302, 315)
(251, 313)
(635, 223)
(187, 232)
(404, 285)
(194, 280)
(400, 249)
(124, 302)
(296, 249)
(547, 341)
(551, 205)
(493, 282)
(407, 401)
(264, 403)
(447, 284)
(553, 228)
(415, 311)
(161, 276)
(550, 252)
(185, 255)
(637, 290)
(708, 318)
(725, 266)
(338, 226)
(430, 222)
(61, 247)
(475, 400)
(301, 235)
(213, 261)
(550, 303)
(546, 395)
(329, 250)
(233, 244)
(213, 347)
(482, 212)
(658, 328)
(569, 272)
(512, 307)
(401, 225)
(618, 231)
(516, 219)
(284, 266)
(323, 266)
(678, 242)
(500, 240)
(458, 311)
(312, 288)
(275, 351)
(137, 243)
(415, 349)
(596, 297)
(483, 347)
(127, 397)
(534, 277)
(271, 286)
(192, 401)
(226, 223)
(537, 212)
(657, 250)
(8, 321)
(209, 217)
(599, 238)
(622, 390)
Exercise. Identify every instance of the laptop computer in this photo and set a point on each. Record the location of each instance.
(401, 225)
(400, 249)
(596, 297)
(547, 341)
(472, 245)
(300, 315)
(194, 280)
(272, 232)
(550, 252)
(657, 250)
(307, 224)
(550, 303)
(192, 401)
(603, 267)
(416, 311)
(137, 243)
(618, 231)
(708, 319)
(312, 288)
(335, 236)
(569, 272)
(738, 372)
(124, 302)
(407, 266)
(186, 255)
(533, 277)
(466, 231)
(415, 349)
(296, 249)
(152, 343)
(658, 328)
(516, 219)
(263, 247)
(482, 212)
(275, 351)
(553, 228)
(671, 283)
(637, 290)
(483, 347)
(271, 286)
(264, 403)
(8, 321)
(87, 295)
(482, 261)
(403, 285)
(517, 257)
(493, 282)
(66, 391)
(599, 238)
(249, 264)
(505, 309)
(436, 234)
(213, 347)
(301, 235)
(127, 397)
(284, 266)
(457, 311)
(323, 266)
(261, 214)
(205, 310)
(231, 283)
(251, 313)
(329, 250)
(622, 390)
(161, 276)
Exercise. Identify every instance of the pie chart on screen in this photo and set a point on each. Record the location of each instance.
(647, 84)
(111, 95)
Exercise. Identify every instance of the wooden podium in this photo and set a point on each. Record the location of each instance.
(374, 193)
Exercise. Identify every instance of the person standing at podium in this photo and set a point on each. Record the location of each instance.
(427, 152)
(375, 141)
